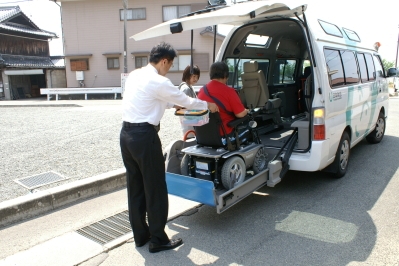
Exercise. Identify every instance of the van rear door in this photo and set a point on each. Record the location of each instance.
(236, 15)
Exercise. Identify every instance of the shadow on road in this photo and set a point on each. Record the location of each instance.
(308, 219)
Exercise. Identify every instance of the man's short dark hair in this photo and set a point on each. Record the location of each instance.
(162, 51)
(187, 75)
(219, 70)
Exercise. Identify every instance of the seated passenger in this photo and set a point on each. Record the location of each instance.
(225, 97)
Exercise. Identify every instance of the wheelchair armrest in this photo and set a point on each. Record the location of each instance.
(238, 121)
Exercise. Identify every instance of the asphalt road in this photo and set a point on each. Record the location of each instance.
(307, 219)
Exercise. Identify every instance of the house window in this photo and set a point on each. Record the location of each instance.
(141, 61)
(79, 64)
(113, 63)
(132, 14)
(182, 61)
(172, 12)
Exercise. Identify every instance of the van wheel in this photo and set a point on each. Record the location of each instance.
(184, 165)
(342, 156)
(233, 172)
(378, 133)
(260, 161)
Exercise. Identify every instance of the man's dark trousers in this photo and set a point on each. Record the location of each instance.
(146, 185)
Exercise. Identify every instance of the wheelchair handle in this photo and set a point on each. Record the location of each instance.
(186, 134)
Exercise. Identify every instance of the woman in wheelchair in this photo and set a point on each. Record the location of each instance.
(222, 143)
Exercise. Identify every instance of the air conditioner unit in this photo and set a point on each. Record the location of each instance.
(80, 75)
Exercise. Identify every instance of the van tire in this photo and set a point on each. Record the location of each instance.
(184, 165)
(378, 133)
(233, 172)
(340, 164)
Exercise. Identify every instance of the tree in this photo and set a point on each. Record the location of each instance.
(387, 64)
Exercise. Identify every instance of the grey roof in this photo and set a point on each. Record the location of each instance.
(8, 13)
(23, 61)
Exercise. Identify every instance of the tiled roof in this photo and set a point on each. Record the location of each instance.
(23, 61)
(8, 13)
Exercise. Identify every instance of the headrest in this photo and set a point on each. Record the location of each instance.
(251, 66)
(306, 72)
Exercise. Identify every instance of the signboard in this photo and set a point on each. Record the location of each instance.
(123, 80)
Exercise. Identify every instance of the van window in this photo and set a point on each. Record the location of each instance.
(236, 67)
(350, 67)
(330, 29)
(378, 66)
(351, 35)
(334, 68)
(255, 40)
(284, 71)
(370, 66)
(363, 68)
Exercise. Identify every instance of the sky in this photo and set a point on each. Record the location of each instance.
(374, 21)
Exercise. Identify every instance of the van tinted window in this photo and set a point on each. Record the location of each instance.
(378, 66)
(334, 67)
(350, 67)
(236, 68)
(370, 66)
(284, 71)
(363, 67)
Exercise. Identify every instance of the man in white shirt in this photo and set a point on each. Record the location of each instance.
(148, 93)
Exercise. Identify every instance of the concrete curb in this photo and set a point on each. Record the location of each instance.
(31, 205)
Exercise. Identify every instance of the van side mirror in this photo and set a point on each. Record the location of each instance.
(392, 72)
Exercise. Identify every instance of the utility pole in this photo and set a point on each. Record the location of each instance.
(124, 36)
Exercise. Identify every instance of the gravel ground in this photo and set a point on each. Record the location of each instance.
(77, 141)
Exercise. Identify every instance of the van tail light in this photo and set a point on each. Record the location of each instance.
(319, 127)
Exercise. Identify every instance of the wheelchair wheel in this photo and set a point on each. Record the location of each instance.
(233, 172)
(260, 161)
(184, 165)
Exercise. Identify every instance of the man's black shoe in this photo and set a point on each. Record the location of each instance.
(173, 243)
(140, 244)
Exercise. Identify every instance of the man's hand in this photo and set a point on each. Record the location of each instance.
(177, 107)
(213, 107)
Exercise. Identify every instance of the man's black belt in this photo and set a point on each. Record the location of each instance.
(128, 125)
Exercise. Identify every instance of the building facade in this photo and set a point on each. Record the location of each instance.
(94, 39)
(25, 62)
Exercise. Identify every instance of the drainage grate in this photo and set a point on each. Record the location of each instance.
(35, 181)
(109, 229)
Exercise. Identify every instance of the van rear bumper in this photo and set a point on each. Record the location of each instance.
(313, 160)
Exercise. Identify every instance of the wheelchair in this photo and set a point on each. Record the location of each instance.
(227, 161)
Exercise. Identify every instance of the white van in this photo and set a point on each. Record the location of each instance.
(311, 76)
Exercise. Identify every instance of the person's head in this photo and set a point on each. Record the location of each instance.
(219, 71)
(161, 57)
(189, 78)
